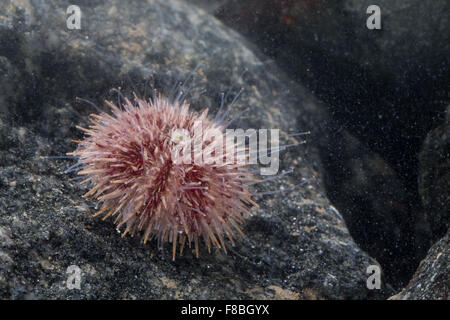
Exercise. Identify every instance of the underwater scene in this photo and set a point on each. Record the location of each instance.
(224, 150)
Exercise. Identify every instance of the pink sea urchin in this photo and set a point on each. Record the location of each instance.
(129, 159)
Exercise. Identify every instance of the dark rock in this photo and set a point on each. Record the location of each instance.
(297, 244)
(432, 279)
(387, 88)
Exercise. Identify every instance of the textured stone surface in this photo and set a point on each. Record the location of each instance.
(387, 88)
(297, 243)
(432, 279)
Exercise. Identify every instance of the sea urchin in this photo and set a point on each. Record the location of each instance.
(132, 161)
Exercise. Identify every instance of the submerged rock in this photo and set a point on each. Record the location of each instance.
(385, 89)
(431, 280)
(297, 244)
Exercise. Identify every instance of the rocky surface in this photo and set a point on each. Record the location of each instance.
(385, 89)
(297, 245)
(432, 279)
(387, 86)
